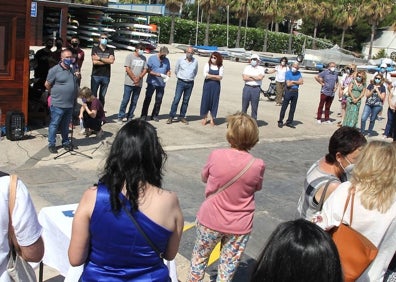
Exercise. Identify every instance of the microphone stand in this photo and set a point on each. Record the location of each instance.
(72, 147)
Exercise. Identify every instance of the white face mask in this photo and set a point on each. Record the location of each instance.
(140, 52)
(253, 63)
(293, 69)
(332, 69)
(348, 169)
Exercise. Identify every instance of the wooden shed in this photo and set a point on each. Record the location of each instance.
(14, 56)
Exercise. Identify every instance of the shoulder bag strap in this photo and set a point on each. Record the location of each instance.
(11, 203)
(139, 228)
(321, 201)
(352, 191)
(346, 204)
(232, 181)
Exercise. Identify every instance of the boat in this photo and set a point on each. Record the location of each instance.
(127, 35)
(206, 50)
(318, 59)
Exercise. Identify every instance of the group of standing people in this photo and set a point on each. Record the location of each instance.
(60, 73)
(158, 70)
(355, 87)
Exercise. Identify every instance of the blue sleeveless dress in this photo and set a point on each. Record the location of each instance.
(118, 252)
(210, 95)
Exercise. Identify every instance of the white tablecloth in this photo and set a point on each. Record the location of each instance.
(57, 225)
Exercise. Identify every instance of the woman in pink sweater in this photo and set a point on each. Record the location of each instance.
(232, 176)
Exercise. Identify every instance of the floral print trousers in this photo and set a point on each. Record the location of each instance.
(232, 248)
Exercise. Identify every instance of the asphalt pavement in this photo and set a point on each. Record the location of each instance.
(287, 152)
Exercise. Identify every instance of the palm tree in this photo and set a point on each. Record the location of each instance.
(209, 7)
(317, 11)
(240, 8)
(174, 7)
(269, 13)
(294, 10)
(375, 12)
(346, 12)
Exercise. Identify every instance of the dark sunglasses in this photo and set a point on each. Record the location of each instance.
(359, 76)
(103, 38)
(74, 42)
(378, 78)
(214, 57)
(254, 59)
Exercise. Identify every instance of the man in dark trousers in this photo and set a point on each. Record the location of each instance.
(61, 83)
(293, 81)
(102, 59)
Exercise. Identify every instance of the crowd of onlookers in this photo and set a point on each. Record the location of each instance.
(127, 224)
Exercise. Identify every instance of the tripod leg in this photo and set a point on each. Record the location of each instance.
(71, 147)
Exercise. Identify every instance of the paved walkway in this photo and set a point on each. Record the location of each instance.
(61, 181)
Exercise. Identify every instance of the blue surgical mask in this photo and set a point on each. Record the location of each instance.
(103, 41)
(140, 52)
(253, 63)
(377, 80)
(358, 79)
(67, 61)
(382, 70)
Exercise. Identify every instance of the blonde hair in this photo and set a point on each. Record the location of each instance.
(242, 131)
(85, 92)
(374, 175)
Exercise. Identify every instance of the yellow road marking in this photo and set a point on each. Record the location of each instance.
(214, 255)
(188, 226)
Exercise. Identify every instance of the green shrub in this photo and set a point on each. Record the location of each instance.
(185, 33)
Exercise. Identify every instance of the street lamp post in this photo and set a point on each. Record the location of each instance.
(228, 22)
(196, 29)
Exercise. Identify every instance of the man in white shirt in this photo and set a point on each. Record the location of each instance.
(186, 70)
(252, 75)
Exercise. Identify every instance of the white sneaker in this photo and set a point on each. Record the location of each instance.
(327, 122)
(318, 121)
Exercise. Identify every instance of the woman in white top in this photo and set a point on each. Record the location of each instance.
(280, 70)
(374, 210)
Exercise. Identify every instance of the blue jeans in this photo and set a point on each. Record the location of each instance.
(128, 90)
(103, 83)
(250, 95)
(181, 87)
(292, 97)
(159, 93)
(389, 128)
(60, 117)
(371, 111)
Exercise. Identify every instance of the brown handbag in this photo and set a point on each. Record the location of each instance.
(355, 250)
